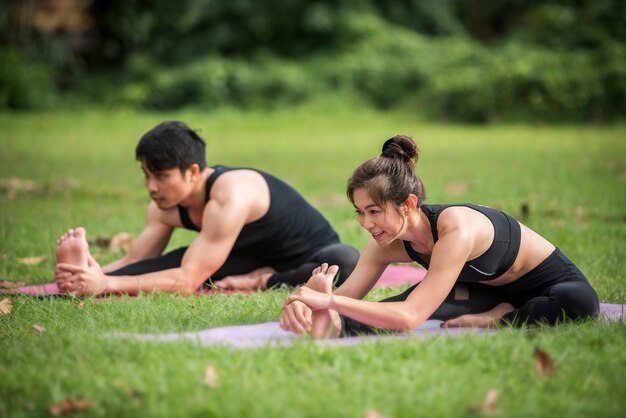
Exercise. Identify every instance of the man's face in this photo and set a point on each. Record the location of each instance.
(167, 188)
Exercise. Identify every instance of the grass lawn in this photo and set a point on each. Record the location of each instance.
(78, 168)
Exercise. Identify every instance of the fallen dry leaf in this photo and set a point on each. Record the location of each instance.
(69, 406)
(100, 241)
(488, 405)
(581, 215)
(457, 188)
(524, 211)
(5, 284)
(6, 306)
(372, 413)
(32, 260)
(210, 376)
(38, 329)
(97, 255)
(80, 305)
(132, 393)
(544, 363)
(329, 201)
(121, 241)
(14, 185)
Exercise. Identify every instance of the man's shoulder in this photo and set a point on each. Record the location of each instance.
(234, 179)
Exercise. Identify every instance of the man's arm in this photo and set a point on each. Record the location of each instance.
(223, 218)
(150, 243)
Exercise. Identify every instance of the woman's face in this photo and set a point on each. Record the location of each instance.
(384, 223)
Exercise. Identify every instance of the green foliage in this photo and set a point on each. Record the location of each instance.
(215, 81)
(23, 84)
(460, 60)
(515, 82)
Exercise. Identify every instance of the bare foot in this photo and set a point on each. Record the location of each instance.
(254, 274)
(72, 248)
(326, 323)
(254, 280)
(487, 319)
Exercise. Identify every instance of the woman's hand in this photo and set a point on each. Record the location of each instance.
(317, 301)
(297, 318)
(81, 281)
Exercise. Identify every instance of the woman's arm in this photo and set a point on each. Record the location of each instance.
(372, 263)
(448, 257)
(298, 317)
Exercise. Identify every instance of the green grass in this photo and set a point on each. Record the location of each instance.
(571, 177)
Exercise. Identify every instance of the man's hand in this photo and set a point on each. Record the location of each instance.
(81, 281)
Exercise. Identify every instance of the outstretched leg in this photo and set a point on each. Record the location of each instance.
(487, 319)
(72, 248)
(326, 323)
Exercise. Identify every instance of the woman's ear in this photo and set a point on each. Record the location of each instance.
(410, 203)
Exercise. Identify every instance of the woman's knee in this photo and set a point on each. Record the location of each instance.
(576, 300)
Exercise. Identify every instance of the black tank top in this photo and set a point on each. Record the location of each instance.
(290, 228)
(499, 256)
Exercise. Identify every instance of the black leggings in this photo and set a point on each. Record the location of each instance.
(553, 291)
(291, 271)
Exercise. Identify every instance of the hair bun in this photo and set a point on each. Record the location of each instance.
(402, 147)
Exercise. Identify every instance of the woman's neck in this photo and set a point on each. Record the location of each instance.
(418, 232)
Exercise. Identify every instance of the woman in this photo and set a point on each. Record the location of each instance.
(484, 267)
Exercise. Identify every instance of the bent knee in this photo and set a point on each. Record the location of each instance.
(576, 301)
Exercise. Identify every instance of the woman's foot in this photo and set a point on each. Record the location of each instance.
(487, 319)
(326, 323)
(72, 248)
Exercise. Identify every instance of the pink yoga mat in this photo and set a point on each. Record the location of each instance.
(393, 276)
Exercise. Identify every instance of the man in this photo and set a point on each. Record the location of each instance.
(255, 231)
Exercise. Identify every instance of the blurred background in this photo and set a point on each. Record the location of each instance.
(447, 60)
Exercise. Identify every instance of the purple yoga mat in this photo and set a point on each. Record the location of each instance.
(270, 333)
(393, 276)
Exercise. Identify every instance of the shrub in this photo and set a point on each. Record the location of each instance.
(24, 85)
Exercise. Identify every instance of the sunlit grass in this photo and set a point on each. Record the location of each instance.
(570, 177)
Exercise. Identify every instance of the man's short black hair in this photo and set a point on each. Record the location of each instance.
(171, 144)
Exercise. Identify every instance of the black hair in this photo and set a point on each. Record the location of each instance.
(171, 144)
(390, 177)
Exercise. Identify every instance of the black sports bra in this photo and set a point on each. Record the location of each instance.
(492, 263)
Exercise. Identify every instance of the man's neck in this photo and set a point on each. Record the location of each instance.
(196, 200)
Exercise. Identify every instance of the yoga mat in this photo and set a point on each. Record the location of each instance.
(270, 333)
(51, 289)
(393, 276)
